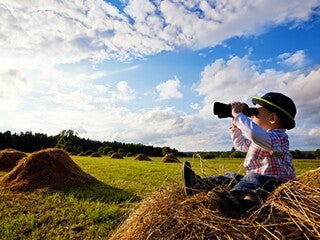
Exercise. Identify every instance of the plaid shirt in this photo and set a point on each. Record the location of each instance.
(270, 156)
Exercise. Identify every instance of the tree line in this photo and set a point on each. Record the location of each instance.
(71, 142)
(296, 154)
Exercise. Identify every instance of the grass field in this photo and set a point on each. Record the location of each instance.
(95, 212)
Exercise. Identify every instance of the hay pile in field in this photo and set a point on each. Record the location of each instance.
(142, 157)
(47, 169)
(171, 158)
(116, 156)
(291, 212)
(9, 158)
(95, 155)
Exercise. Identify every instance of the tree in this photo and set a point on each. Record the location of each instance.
(297, 154)
(317, 153)
(166, 150)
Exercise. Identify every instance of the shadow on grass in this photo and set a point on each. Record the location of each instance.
(99, 191)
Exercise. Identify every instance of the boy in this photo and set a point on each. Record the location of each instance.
(268, 162)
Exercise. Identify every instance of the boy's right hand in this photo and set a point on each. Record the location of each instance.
(236, 108)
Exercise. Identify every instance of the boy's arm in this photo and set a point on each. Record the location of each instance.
(252, 131)
(239, 141)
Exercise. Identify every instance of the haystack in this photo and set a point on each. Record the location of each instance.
(46, 169)
(116, 155)
(9, 158)
(95, 155)
(142, 157)
(291, 212)
(170, 157)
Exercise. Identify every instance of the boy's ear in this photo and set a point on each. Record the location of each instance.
(273, 118)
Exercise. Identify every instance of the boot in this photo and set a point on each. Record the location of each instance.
(192, 183)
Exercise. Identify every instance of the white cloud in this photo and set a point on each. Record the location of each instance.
(13, 86)
(169, 89)
(195, 106)
(124, 92)
(296, 60)
(37, 34)
(314, 132)
(11, 80)
(37, 37)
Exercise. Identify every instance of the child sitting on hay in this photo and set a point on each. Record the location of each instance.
(268, 162)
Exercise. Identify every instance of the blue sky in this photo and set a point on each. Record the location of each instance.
(148, 72)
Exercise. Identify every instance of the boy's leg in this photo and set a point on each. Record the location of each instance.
(194, 183)
(253, 189)
(228, 178)
(190, 180)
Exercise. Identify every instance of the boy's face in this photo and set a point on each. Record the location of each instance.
(262, 118)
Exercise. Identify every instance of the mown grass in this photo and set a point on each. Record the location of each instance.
(94, 212)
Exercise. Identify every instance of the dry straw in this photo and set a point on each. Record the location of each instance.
(142, 157)
(116, 156)
(9, 158)
(45, 169)
(291, 212)
(170, 158)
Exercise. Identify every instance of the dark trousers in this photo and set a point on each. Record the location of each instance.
(255, 184)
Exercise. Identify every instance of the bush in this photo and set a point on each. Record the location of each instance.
(110, 153)
(236, 154)
(208, 156)
(104, 150)
(89, 152)
(129, 154)
(310, 156)
(317, 153)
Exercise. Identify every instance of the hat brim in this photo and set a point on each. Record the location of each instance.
(287, 121)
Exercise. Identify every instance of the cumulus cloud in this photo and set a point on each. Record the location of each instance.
(169, 89)
(124, 92)
(12, 79)
(37, 34)
(296, 60)
(13, 85)
(38, 37)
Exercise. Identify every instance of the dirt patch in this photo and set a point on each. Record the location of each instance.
(46, 169)
(9, 158)
(291, 212)
(142, 157)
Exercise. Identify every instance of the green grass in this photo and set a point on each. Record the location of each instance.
(95, 212)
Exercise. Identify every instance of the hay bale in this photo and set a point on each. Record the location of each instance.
(9, 158)
(311, 178)
(46, 169)
(116, 155)
(95, 155)
(291, 212)
(142, 157)
(171, 158)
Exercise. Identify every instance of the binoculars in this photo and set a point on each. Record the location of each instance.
(224, 110)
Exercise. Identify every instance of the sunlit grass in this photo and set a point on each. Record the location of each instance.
(94, 212)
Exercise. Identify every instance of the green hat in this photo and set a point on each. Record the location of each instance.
(281, 105)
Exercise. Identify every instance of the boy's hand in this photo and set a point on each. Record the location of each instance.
(237, 107)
